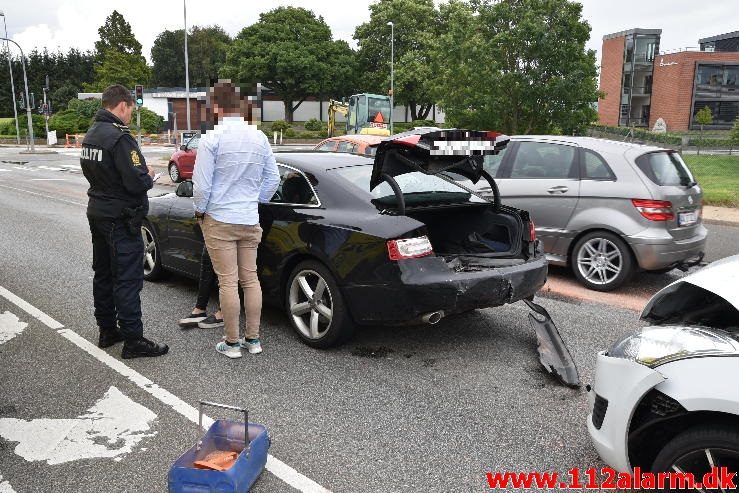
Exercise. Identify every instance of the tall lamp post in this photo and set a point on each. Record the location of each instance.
(28, 101)
(187, 70)
(392, 72)
(12, 85)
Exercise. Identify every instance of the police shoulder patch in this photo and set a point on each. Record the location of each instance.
(135, 158)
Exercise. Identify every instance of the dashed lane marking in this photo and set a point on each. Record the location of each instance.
(281, 470)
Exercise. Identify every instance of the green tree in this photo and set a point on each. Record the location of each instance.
(516, 65)
(207, 47)
(416, 26)
(116, 34)
(734, 134)
(60, 97)
(704, 116)
(119, 56)
(289, 50)
(151, 123)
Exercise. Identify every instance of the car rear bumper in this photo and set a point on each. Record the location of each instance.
(429, 285)
(663, 252)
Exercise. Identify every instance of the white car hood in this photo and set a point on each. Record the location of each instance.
(720, 278)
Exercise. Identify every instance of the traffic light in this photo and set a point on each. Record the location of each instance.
(139, 95)
(21, 102)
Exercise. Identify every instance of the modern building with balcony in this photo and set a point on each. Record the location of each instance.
(642, 84)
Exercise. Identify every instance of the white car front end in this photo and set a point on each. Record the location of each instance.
(672, 374)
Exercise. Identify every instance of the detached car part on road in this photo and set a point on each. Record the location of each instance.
(348, 240)
(666, 398)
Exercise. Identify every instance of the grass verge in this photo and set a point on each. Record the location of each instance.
(718, 176)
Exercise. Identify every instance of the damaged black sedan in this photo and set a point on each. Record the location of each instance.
(349, 240)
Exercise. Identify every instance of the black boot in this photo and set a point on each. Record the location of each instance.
(108, 337)
(136, 348)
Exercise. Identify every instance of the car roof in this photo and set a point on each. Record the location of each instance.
(357, 139)
(317, 161)
(603, 145)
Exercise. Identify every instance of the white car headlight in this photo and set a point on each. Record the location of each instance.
(654, 346)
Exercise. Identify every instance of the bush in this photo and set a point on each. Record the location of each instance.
(314, 125)
(151, 123)
(278, 125)
(640, 134)
(69, 122)
(309, 135)
(38, 121)
(86, 107)
(421, 123)
(290, 133)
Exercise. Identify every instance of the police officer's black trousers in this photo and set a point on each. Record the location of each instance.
(208, 281)
(118, 262)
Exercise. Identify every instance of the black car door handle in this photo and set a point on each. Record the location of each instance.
(558, 189)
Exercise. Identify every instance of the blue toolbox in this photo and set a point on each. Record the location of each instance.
(228, 459)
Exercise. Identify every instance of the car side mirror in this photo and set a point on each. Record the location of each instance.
(183, 147)
(184, 189)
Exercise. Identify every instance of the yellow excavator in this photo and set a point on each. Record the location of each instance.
(366, 114)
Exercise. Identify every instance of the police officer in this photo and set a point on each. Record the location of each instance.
(119, 180)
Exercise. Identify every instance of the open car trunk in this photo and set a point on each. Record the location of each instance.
(473, 235)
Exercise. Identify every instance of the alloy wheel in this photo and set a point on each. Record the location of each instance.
(311, 304)
(702, 461)
(174, 173)
(150, 250)
(600, 261)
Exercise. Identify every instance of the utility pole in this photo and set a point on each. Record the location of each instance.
(187, 71)
(46, 107)
(12, 84)
(28, 99)
(392, 72)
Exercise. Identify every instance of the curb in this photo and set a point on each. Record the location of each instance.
(721, 222)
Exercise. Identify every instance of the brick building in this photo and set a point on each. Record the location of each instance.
(641, 85)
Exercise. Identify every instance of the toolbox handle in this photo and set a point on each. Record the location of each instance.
(224, 406)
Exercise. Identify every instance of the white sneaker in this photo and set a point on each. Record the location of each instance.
(251, 345)
(232, 352)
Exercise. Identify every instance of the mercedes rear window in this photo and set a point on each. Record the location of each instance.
(665, 169)
(417, 187)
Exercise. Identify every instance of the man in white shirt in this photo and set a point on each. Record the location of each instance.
(235, 170)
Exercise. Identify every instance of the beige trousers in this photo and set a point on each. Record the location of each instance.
(233, 250)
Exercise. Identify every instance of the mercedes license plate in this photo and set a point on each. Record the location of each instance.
(687, 218)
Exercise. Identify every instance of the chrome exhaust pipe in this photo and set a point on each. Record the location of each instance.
(432, 318)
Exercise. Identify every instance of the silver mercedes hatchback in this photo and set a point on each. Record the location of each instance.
(604, 208)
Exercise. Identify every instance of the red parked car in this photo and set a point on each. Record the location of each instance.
(183, 161)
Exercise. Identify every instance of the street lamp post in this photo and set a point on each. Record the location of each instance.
(12, 84)
(392, 74)
(28, 101)
(187, 71)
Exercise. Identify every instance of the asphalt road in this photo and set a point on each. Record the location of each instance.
(428, 408)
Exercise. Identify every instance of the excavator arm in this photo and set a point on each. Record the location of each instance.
(335, 107)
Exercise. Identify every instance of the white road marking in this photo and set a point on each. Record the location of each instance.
(10, 326)
(115, 420)
(43, 195)
(30, 309)
(5, 170)
(5, 486)
(48, 179)
(283, 471)
(49, 168)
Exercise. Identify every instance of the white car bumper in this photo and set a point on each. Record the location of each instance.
(619, 386)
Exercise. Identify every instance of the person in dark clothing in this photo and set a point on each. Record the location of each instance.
(119, 179)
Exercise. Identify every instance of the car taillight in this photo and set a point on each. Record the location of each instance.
(654, 210)
(409, 248)
(532, 231)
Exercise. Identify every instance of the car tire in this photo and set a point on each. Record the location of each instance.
(601, 261)
(152, 253)
(174, 172)
(688, 450)
(320, 323)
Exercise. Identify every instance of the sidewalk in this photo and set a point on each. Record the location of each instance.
(726, 216)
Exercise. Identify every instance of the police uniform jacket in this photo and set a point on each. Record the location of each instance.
(115, 168)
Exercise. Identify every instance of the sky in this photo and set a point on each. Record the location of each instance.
(61, 24)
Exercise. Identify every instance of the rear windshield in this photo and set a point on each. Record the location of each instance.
(665, 169)
(418, 188)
